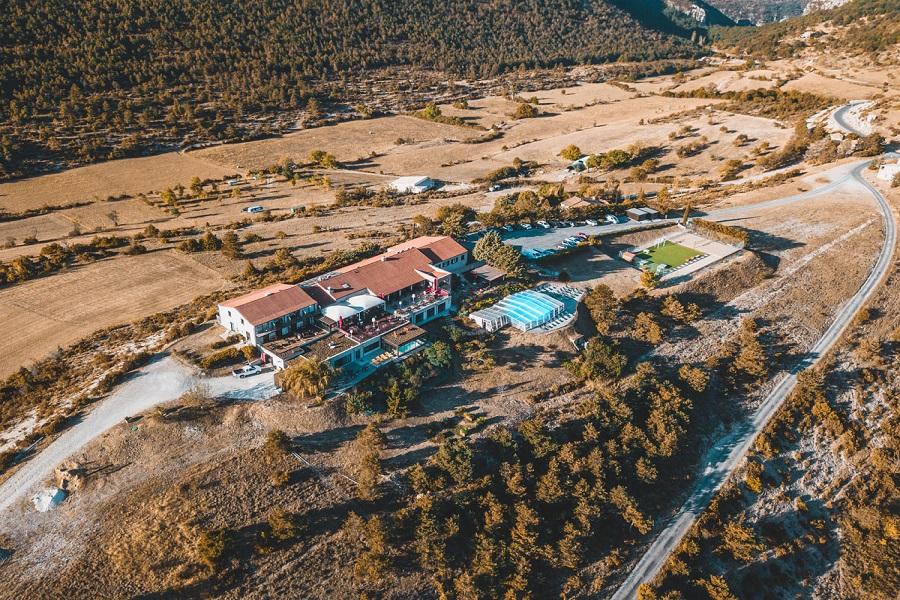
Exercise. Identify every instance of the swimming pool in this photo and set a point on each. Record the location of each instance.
(523, 310)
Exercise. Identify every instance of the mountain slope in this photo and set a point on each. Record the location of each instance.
(230, 57)
(861, 26)
(761, 11)
(697, 13)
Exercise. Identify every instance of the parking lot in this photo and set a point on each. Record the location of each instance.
(539, 238)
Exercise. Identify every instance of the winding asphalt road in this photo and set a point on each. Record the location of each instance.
(724, 457)
(163, 380)
(840, 117)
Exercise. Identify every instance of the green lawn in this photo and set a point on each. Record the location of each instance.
(670, 253)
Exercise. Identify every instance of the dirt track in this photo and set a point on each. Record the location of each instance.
(164, 380)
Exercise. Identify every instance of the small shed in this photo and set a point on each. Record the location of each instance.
(637, 214)
(628, 256)
(488, 274)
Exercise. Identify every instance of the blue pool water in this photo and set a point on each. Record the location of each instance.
(530, 309)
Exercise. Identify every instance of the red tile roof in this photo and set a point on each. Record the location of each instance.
(388, 274)
(261, 306)
(439, 248)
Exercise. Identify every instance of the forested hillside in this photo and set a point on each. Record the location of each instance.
(865, 26)
(199, 65)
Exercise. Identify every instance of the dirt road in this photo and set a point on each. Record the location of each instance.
(728, 453)
(163, 380)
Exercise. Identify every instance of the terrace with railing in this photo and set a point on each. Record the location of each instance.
(418, 302)
(366, 331)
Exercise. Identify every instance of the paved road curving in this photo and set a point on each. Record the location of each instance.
(723, 458)
(163, 380)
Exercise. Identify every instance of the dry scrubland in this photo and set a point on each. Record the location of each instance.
(196, 502)
(133, 528)
(45, 314)
(818, 490)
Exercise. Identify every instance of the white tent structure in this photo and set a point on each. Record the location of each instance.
(339, 311)
(415, 184)
(365, 302)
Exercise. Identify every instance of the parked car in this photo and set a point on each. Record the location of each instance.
(582, 235)
(246, 371)
(562, 246)
(615, 219)
(508, 227)
(526, 225)
(254, 209)
(544, 224)
(572, 238)
(591, 222)
(495, 188)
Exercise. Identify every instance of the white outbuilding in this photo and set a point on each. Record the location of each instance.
(415, 184)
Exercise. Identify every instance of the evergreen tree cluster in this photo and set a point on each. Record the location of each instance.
(199, 67)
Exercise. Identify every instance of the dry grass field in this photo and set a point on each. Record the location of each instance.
(127, 176)
(44, 314)
(829, 86)
(348, 142)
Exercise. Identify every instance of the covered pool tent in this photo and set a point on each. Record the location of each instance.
(523, 310)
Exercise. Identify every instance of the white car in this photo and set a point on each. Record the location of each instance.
(526, 225)
(246, 371)
(591, 222)
(508, 227)
(544, 224)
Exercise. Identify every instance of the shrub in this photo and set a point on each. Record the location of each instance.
(526, 111)
(571, 152)
(307, 378)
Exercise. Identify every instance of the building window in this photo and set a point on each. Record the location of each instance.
(372, 346)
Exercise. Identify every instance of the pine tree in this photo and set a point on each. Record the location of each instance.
(513, 478)
(250, 271)
(646, 329)
(549, 488)
(751, 359)
(628, 509)
(603, 306)
(569, 547)
(367, 450)
(522, 547)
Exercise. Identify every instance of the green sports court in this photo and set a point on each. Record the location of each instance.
(667, 253)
